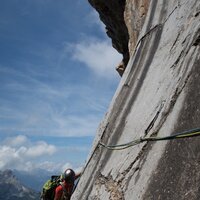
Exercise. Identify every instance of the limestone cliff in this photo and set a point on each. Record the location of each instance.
(123, 21)
(158, 95)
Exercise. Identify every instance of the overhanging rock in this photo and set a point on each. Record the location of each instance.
(159, 94)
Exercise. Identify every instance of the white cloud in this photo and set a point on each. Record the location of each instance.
(40, 149)
(16, 141)
(32, 156)
(97, 55)
(8, 156)
(21, 157)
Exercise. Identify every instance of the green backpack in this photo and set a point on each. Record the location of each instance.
(48, 191)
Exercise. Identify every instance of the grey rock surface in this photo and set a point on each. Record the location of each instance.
(158, 95)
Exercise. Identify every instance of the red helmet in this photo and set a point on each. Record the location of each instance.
(69, 175)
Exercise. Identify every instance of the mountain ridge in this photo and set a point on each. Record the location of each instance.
(34, 179)
(13, 189)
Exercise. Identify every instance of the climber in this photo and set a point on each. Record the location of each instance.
(65, 189)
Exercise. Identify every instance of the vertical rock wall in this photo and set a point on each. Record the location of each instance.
(158, 95)
(111, 14)
(134, 16)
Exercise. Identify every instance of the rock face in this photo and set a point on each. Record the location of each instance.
(112, 15)
(158, 95)
(123, 21)
(134, 15)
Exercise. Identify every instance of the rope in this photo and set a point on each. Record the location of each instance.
(184, 134)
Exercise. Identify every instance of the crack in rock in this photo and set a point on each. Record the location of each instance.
(197, 40)
(153, 120)
(112, 187)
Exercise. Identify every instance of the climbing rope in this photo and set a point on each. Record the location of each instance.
(185, 134)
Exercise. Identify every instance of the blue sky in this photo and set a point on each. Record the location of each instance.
(57, 78)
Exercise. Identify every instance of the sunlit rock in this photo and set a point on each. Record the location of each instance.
(158, 96)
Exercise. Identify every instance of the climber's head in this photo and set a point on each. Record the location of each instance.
(69, 175)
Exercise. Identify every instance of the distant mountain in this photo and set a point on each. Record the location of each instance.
(12, 189)
(33, 179)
